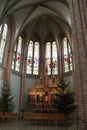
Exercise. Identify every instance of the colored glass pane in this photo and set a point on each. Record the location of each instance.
(67, 55)
(29, 58)
(3, 41)
(18, 55)
(36, 58)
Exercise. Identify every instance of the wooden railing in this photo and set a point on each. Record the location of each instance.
(44, 117)
(8, 115)
(39, 118)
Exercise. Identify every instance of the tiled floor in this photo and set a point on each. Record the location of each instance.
(20, 125)
(9, 126)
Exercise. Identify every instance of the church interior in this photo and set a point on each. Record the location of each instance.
(43, 64)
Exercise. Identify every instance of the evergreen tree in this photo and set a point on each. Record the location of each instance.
(6, 100)
(64, 101)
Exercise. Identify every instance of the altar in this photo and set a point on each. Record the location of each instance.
(41, 96)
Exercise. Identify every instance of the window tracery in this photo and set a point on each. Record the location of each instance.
(51, 59)
(33, 58)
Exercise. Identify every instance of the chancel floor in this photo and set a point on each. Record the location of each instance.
(20, 125)
(23, 127)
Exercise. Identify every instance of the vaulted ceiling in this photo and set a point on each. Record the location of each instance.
(38, 18)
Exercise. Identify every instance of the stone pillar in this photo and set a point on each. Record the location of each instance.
(9, 57)
(23, 77)
(79, 47)
(42, 55)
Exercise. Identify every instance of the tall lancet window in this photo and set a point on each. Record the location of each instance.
(51, 59)
(3, 39)
(67, 55)
(16, 61)
(33, 58)
(36, 59)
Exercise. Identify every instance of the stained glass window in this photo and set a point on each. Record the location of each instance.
(29, 57)
(51, 59)
(67, 55)
(54, 58)
(36, 58)
(0, 29)
(17, 55)
(3, 35)
(33, 58)
(48, 58)
(14, 58)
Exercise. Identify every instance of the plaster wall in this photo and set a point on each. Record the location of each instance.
(30, 82)
(15, 85)
(69, 79)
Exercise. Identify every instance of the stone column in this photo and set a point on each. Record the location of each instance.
(79, 47)
(23, 77)
(9, 57)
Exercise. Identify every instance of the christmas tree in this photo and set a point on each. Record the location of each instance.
(6, 100)
(64, 101)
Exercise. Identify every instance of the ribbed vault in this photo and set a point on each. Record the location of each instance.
(39, 18)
